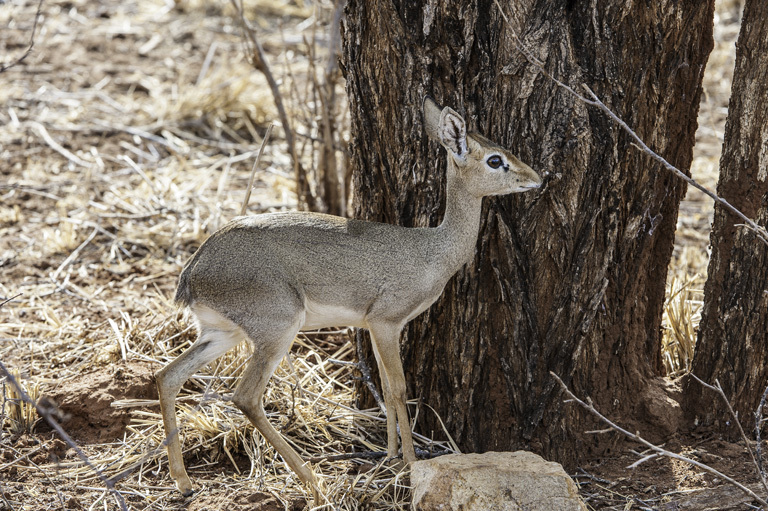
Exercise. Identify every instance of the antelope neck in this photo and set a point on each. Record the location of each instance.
(458, 232)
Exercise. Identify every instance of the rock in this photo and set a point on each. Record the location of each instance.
(493, 481)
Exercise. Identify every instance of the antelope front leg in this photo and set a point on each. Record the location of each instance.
(389, 403)
(386, 345)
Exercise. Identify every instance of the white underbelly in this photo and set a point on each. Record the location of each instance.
(321, 315)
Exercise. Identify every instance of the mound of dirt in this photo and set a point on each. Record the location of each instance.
(85, 402)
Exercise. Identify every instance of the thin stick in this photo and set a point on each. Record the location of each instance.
(591, 409)
(46, 414)
(375, 455)
(644, 459)
(259, 61)
(20, 59)
(10, 299)
(366, 371)
(754, 227)
(253, 170)
(759, 231)
(758, 428)
(719, 389)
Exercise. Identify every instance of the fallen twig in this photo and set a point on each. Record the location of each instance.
(10, 299)
(20, 59)
(758, 429)
(661, 451)
(376, 455)
(47, 414)
(362, 365)
(72, 256)
(719, 389)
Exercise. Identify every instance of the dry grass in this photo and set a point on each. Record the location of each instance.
(123, 154)
(309, 401)
(128, 137)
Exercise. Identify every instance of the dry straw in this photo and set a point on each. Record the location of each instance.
(112, 187)
(115, 172)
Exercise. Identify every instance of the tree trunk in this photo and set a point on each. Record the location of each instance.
(733, 335)
(569, 279)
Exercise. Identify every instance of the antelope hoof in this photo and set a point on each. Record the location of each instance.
(185, 487)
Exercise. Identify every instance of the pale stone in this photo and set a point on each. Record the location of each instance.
(493, 481)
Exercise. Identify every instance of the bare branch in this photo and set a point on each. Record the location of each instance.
(47, 414)
(375, 455)
(20, 59)
(10, 299)
(366, 371)
(259, 62)
(71, 257)
(758, 428)
(759, 231)
(754, 227)
(48, 139)
(255, 166)
(661, 451)
(643, 460)
(719, 389)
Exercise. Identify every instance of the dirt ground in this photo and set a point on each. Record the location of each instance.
(126, 137)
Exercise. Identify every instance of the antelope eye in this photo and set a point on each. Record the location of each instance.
(494, 161)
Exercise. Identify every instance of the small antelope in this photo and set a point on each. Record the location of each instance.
(267, 277)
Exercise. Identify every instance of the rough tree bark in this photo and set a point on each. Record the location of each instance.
(569, 279)
(733, 337)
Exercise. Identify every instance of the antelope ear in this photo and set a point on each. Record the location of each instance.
(452, 131)
(431, 117)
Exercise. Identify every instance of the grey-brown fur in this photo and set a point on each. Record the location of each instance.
(266, 277)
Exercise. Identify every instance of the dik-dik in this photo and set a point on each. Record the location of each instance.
(267, 277)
